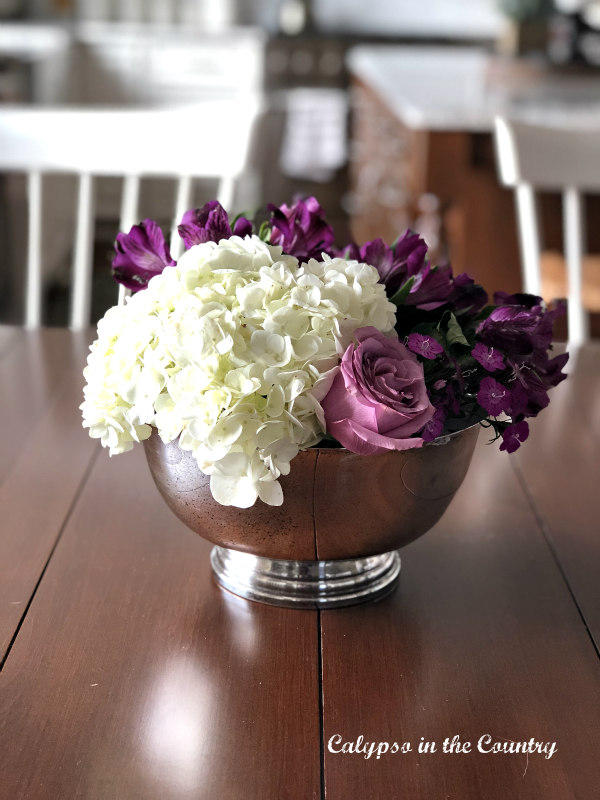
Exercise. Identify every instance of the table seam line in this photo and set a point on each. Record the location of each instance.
(547, 536)
(74, 501)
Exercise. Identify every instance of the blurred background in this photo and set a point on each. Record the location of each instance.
(383, 110)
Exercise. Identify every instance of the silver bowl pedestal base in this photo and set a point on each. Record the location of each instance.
(306, 584)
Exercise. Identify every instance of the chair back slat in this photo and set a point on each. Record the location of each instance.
(83, 255)
(574, 238)
(130, 200)
(33, 302)
(533, 158)
(183, 200)
(225, 191)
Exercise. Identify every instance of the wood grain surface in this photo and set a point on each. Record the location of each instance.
(129, 675)
(135, 676)
(560, 471)
(480, 638)
(45, 457)
(8, 336)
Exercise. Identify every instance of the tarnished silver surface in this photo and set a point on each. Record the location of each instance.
(306, 584)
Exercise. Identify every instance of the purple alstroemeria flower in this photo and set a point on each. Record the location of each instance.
(493, 397)
(140, 255)
(425, 346)
(490, 359)
(518, 299)
(520, 330)
(210, 224)
(301, 230)
(431, 287)
(405, 259)
(515, 330)
(467, 295)
(396, 264)
(513, 435)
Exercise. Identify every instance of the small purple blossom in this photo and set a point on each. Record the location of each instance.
(210, 224)
(140, 255)
(493, 396)
(435, 426)
(489, 358)
(425, 346)
(439, 385)
(519, 400)
(513, 435)
(301, 230)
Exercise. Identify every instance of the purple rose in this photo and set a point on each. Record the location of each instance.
(140, 255)
(378, 399)
(210, 224)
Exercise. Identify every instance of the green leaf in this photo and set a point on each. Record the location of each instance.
(454, 333)
(399, 297)
(264, 232)
(485, 312)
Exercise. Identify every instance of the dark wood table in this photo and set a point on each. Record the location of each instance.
(127, 673)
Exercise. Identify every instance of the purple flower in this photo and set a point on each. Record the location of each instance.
(520, 401)
(467, 295)
(210, 224)
(425, 346)
(493, 396)
(378, 399)
(513, 435)
(518, 330)
(432, 287)
(533, 380)
(140, 255)
(435, 425)
(404, 261)
(396, 264)
(519, 299)
(492, 360)
(301, 230)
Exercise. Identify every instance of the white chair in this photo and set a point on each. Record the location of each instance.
(209, 140)
(533, 158)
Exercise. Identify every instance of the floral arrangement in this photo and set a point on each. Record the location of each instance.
(258, 344)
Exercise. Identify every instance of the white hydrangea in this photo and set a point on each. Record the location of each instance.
(230, 351)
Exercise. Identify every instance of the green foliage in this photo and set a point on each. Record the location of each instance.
(400, 296)
(264, 232)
